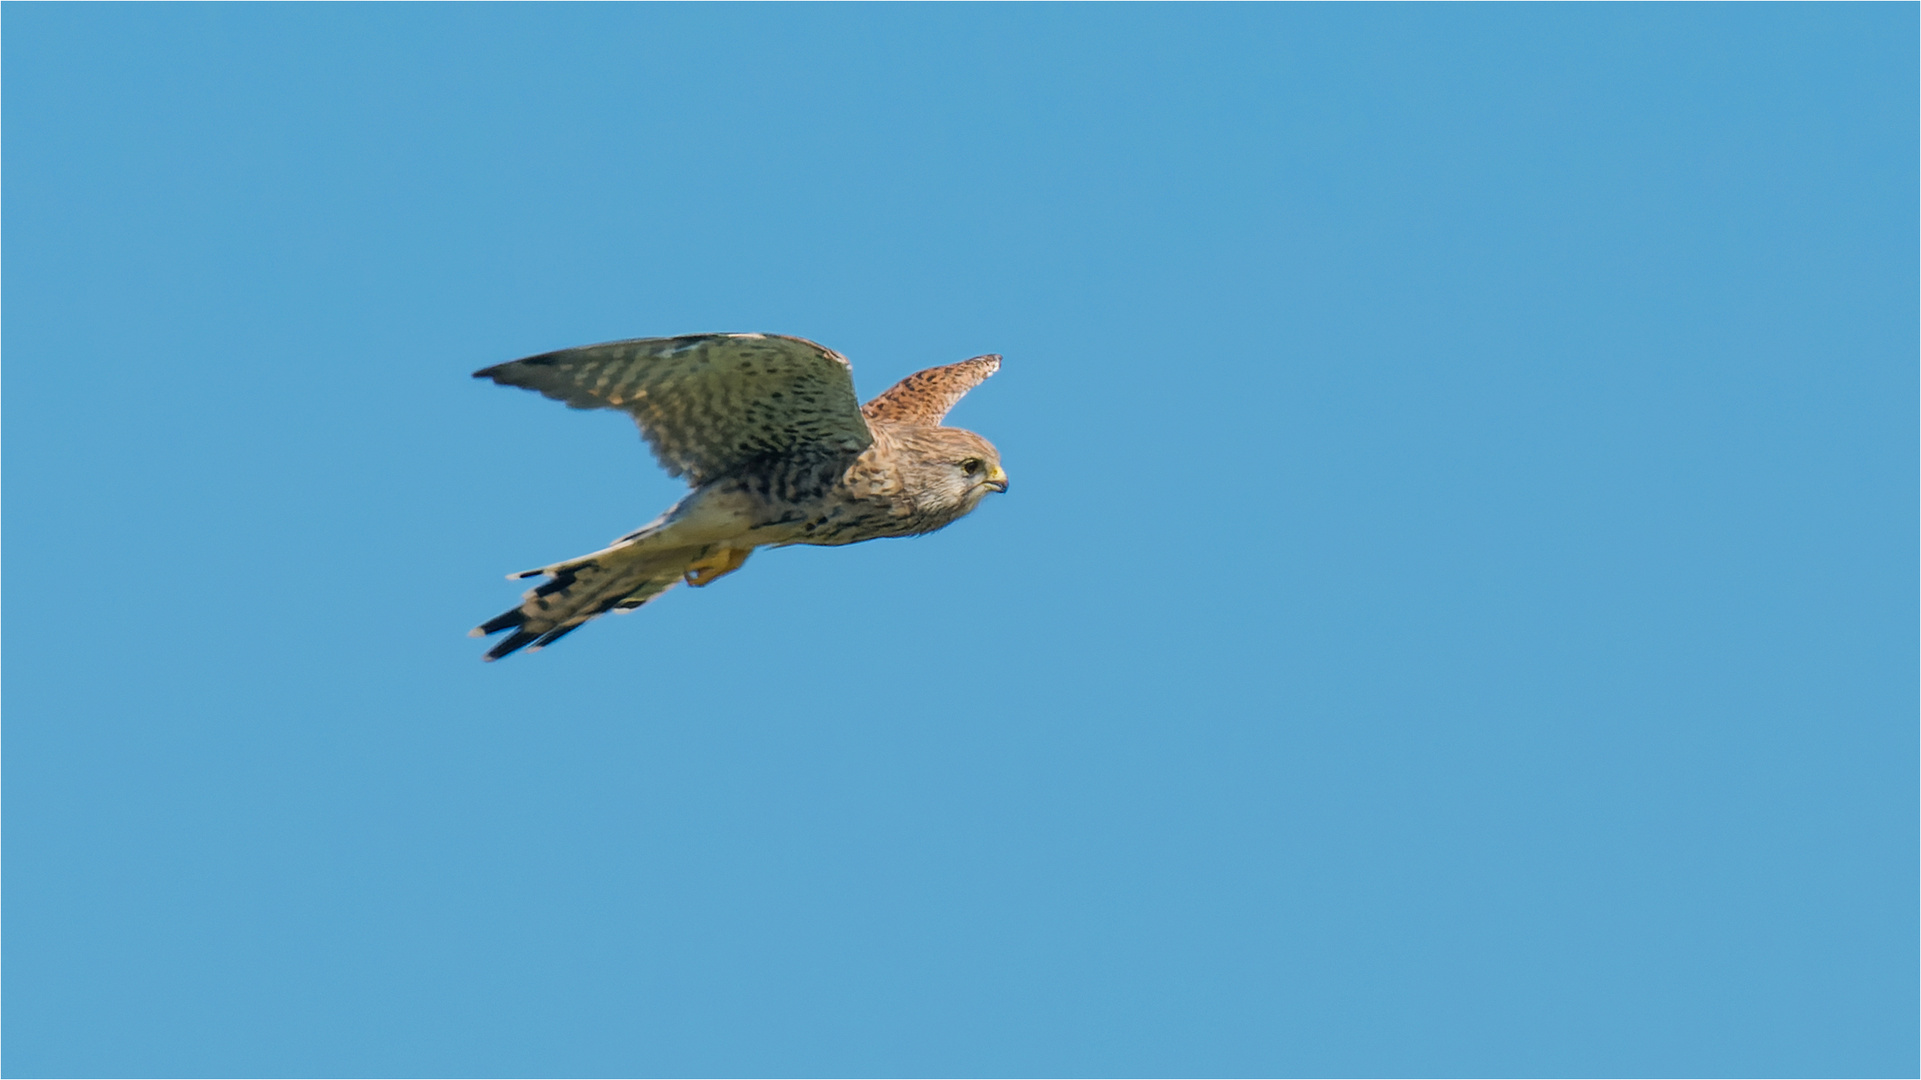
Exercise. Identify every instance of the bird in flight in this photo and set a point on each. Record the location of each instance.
(777, 449)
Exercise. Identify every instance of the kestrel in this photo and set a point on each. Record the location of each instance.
(777, 449)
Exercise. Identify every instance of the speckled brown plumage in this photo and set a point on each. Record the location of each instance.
(777, 449)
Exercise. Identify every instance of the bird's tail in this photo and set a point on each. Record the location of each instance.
(619, 578)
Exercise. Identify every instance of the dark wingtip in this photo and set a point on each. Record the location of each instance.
(504, 375)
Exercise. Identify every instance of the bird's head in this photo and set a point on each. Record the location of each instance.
(952, 470)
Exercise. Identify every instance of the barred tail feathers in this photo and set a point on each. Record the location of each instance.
(577, 591)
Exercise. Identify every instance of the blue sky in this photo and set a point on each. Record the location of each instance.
(1454, 615)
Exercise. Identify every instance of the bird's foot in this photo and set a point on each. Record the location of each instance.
(716, 566)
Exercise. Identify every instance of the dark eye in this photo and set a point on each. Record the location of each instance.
(971, 466)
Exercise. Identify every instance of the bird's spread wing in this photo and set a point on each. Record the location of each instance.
(709, 403)
(925, 396)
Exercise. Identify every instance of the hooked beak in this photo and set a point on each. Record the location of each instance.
(997, 479)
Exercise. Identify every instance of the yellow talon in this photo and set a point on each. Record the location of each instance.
(716, 566)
